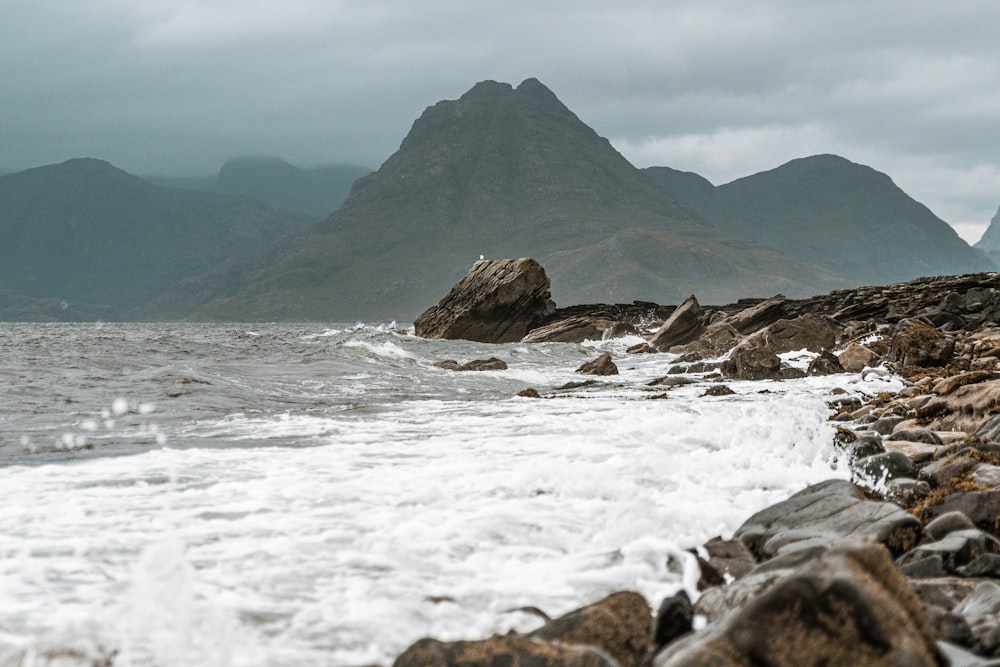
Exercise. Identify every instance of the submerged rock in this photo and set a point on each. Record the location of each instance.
(602, 365)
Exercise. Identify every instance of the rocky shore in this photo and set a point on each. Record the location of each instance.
(900, 565)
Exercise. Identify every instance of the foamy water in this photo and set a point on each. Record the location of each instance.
(220, 495)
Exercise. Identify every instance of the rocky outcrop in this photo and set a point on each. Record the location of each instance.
(602, 365)
(683, 326)
(498, 301)
(491, 364)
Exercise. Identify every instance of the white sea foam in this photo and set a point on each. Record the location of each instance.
(420, 516)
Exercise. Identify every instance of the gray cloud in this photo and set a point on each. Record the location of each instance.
(724, 88)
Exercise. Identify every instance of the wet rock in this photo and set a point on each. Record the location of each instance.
(715, 341)
(571, 330)
(948, 523)
(719, 390)
(849, 607)
(916, 435)
(491, 364)
(950, 384)
(730, 558)
(966, 408)
(884, 467)
(530, 392)
(824, 364)
(673, 619)
(982, 610)
(512, 650)
(620, 330)
(806, 332)
(885, 425)
(620, 626)
(916, 343)
(857, 445)
(906, 491)
(498, 301)
(602, 365)
(683, 326)
(856, 357)
(670, 381)
(758, 316)
(956, 549)
(825, 514)
(918, 452)
(982, 507)
(752, 360)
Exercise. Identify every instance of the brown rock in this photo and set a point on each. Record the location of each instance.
(602, 365)
(570, 330)
(509, 650)
(498, 301)
(849, 607)
(855, 358)
(717, 339)
(916, 343)
(491, 364)
(807, 332)
(757, 317)
(683, 326)
(620, 625)
(825, 364)
(752, 360)
(964, 408)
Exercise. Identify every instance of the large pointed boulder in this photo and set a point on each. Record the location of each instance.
(498, 301)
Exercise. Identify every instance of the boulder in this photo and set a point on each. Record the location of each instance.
(571, 330)
(825, 364)
(620, 625)
(850, 606)
(855, 358)
(498, 301)
(512, 650)
(602, 365)
(683, 326)
(825, 514)
(916, 343)
(752, 360)
(806, 332)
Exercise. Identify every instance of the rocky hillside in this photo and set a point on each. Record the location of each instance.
(990, 241)
(507, 171)
(94, 240)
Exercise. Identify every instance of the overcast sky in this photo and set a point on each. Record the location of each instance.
(725, 89)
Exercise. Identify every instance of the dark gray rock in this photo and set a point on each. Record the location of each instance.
(673, 619)
(956, 549)
(885, 466)
(825, 514)
(758, 316)
(571, 330)
(511, 650)
(806, 332)
(498, 301)
(948, 523)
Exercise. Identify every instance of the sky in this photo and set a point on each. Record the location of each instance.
(722, 88)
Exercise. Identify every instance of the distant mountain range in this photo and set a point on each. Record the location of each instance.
(504, 172)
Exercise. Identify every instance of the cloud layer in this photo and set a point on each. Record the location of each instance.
(724, 88)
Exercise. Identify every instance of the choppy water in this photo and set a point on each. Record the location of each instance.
(274, 495)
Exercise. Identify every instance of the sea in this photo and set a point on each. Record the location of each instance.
(323, 494)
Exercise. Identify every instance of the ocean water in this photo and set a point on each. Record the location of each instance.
(192, 494)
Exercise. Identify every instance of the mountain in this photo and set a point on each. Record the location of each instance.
(314, 192)
(507, 172)
(990, 241)
(88, 235)
(842, 216)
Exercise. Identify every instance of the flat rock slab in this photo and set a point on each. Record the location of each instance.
(919, 452)
(825, 514)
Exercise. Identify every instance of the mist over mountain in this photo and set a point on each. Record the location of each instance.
(312, 191)
(88, 235)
